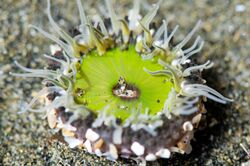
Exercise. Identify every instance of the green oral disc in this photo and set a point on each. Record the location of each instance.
(99, 76)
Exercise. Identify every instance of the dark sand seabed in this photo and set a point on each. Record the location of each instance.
(26, 138)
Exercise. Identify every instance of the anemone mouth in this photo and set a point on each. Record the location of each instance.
(125, 91)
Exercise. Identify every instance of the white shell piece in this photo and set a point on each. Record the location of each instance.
(188, 126)
(87, 144)
(54, 48)
(177, 150)
(163, 153)
(52, 118)
(137, 148)
(91, 135)
(98, 152)
(73, 142)
(150, 157)
(113, 151)
(196, 119)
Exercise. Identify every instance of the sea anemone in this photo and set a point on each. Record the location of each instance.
(120, 87)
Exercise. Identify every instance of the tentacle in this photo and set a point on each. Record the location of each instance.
(203, 90)
(63, 45)
(159, 32)
(113, 17)
(158, 72)
(188, 37)
(166, 42)
(62, 62)
(192, 52)
(83, 17)
(134, 15)
(188, 71)
(197, 40)
(57, 29)
(147, 19)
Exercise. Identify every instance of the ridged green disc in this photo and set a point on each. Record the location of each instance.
(98, 75)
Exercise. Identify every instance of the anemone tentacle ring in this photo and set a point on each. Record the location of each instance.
(120, 87)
